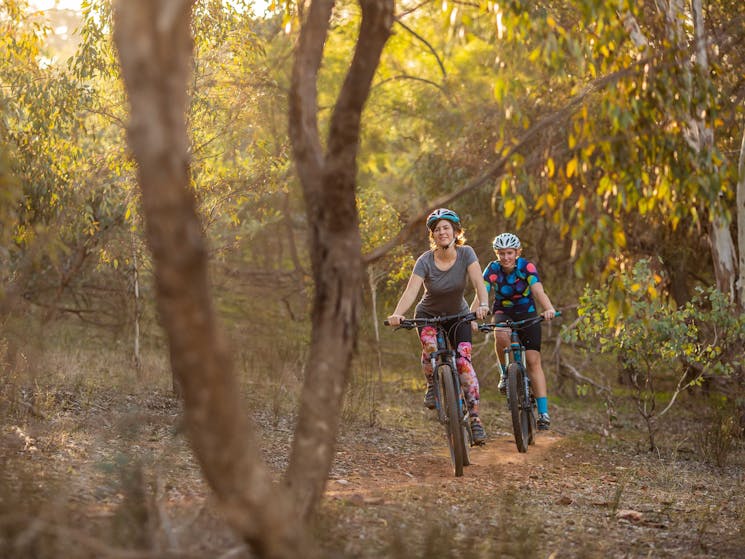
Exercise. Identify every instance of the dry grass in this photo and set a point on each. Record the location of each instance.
(94, 464)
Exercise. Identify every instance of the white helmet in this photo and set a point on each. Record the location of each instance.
(506, 240)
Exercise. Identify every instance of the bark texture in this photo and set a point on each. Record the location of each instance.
(153, 38)
(700, 137)
(328, 180)
(741, 224)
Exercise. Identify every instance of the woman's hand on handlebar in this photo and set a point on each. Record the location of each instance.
(395, 319)
(481, 312)
(548, 314)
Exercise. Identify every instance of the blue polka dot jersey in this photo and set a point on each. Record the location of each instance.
(512, 290)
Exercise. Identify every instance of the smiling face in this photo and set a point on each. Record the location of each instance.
(507, 257)
(443, 233)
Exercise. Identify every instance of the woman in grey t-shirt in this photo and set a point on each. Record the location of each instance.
(444, 271)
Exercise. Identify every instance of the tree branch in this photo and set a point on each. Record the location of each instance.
(493, 170)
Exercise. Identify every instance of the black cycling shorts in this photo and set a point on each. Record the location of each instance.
(530, 336)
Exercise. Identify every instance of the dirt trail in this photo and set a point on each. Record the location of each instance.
(396, 478)
(376, 473)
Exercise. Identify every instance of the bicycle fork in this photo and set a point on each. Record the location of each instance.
(515, 353)
(438, 359)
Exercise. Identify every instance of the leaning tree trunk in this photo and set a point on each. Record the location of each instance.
(328, 181)
(155, 50)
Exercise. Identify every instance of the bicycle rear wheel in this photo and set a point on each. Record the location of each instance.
(518, 406)
(453, 430)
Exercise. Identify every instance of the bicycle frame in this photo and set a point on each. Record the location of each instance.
(444, 355)
(515, 349)
(450, 403)
(520, 398)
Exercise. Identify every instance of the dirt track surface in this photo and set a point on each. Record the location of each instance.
(391, 491)
(381, 475)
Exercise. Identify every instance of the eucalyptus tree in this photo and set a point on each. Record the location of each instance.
(61, 221)
(627, 159)
(155, 49)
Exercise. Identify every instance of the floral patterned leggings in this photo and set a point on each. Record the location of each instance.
(468, 379)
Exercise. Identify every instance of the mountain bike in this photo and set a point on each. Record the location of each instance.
(520, 399)
(450, 401)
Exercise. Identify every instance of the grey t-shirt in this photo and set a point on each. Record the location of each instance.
(443, 291)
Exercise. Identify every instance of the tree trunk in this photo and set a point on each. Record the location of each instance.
(328, 181)
(137, 359)
(155, 50)
(701, 138)
(741, 225)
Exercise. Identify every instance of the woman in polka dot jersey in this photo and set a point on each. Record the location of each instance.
(516, 287)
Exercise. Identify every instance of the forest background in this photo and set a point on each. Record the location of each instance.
(608, 135)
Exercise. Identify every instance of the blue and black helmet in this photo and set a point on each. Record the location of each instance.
(442, 213)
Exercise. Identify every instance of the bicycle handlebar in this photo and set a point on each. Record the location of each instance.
(513, 324)
(410, 323)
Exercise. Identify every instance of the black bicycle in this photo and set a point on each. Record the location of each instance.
(520, 399)
(450, 401)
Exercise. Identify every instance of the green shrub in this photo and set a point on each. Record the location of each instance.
(662, 349)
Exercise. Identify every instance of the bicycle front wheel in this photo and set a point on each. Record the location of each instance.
(532, 427)
(465, 425)
(453, 429)
(518, 405)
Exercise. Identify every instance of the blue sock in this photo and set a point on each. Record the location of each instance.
(542, 404)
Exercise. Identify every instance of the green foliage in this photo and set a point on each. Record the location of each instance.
(458, 85)
(651, 334)
(623, 160)
(662, 348)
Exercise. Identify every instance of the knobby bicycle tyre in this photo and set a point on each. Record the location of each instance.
(466, 428)
(532, 427)
(518, 409)
(453, 430)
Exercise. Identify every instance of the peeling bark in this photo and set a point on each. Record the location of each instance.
(701, 138)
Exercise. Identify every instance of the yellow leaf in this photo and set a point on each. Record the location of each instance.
(540, 202)
(581, 203)
(614, 309)
(509, 207)
(504, 187)
(550, 167)
(571, 167)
